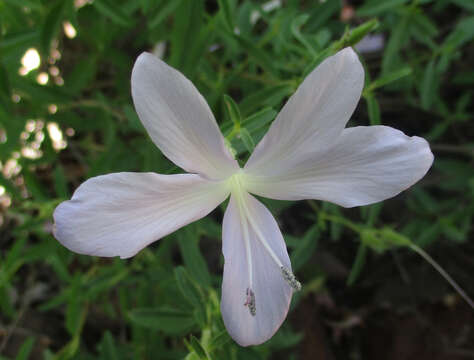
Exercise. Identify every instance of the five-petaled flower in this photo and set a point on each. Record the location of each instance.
(306, 154)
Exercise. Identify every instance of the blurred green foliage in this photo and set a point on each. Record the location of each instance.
(246, 57)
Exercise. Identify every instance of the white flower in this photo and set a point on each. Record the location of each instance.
(306, 154)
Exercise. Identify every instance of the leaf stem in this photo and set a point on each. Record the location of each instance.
(442, 272)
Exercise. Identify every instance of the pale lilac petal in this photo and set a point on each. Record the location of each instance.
(119, 214)
(367, 164)
(272, 293)
(313, 117)
(178, 119)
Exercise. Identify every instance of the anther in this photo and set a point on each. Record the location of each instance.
(290, 278)
(250, 302)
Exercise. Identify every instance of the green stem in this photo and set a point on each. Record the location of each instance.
(235, 130)
(443, 273)
(354, 227)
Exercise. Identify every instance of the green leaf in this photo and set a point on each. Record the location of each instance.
(108, 349)
(112, 11)
(428, 85)
(271, 96)
(188, 287)
(430, 234)
(389, 78)
(105, 281)
(467, 4)
(167, 319)
(260, 56)
(394, 238)
(189, 37)
(60, 183)
(226, 10)
(5, 90)
(13, 262)
(375, 7)
(321, 14)
(424, 25)
(32, 4)
(82, 74)
(259, 120)
(373, 109)
(133, 119)
(232, 110)
(219, 340)
(397, 39)
(35, 187)
(74, 311)
(52, 25)
(305, 248)
(247, 139)
(58, 264)
(18, 42)
(188, 241)
(25, 349)
(361, 31)
(358, 264)
(163, 13)
(372, 239)
(452, 232)
(371, 213)
(254, 122)
(198, 348)
(463, 32)
(296, 25)
(39, 93)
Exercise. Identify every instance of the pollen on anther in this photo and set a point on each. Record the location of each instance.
(290, 278)
(250, 302)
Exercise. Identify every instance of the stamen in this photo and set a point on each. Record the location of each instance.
(248, 252)
(287, 274)
(260, 236)
(250, 302)
(290, 278)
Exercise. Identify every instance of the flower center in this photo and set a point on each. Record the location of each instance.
(237, 184)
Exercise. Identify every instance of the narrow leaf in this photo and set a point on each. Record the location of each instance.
(113, 12)
(361, 31)
(259, 120)
(296, 25)
(219, 340)
(373, 109)
(232, 110)
(305, 248)
(163, 13)
(188, 287)
(198, 348)
(52, 25)
(428, 88)
(166, 319)
(60, 182)
(25, 349)
(189, 245)
(358, 264)
(371, 8)
(108, 349)
(226, 10)
(390, 77)
(271, 96)
(398, 37)
(261, 57)
(247, 140)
